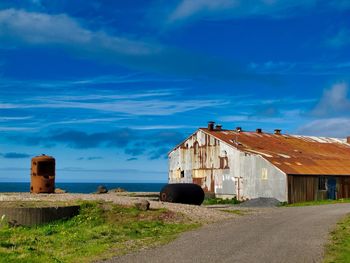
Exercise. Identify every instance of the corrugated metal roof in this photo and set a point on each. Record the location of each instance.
(293, 154)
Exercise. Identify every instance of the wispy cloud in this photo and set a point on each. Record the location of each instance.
(194, 10)
(190, 8)
(40, 28)
(21, 27)
(120, 104)
(90, 158)
(329, 127)
(14, 155)
(153, 144)
(7, 119)
(334, 102)
(300, 68)
(12, 128)
(341, 39)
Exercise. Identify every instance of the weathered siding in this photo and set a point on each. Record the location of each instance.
(305, 188)
(224, 170)
(343, 187)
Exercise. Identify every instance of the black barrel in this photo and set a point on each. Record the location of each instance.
(191, 194)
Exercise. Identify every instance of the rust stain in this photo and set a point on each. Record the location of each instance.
(292, 154)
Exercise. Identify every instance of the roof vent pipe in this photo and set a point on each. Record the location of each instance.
(218, 127)
(277, 131)
(238, 129)
(211, 125)
(258, 130)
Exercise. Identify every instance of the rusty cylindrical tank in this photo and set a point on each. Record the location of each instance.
(42, 174)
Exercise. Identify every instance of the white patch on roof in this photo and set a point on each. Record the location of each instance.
(283, 155)
(261, 153)
(320, 139)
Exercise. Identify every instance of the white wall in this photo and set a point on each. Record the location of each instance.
(255, 176)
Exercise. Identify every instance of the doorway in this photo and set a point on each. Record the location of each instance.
(331, 188)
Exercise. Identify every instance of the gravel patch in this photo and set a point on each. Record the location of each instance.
(198, 214)
(261, 202)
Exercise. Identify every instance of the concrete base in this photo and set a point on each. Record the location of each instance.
(28, 216)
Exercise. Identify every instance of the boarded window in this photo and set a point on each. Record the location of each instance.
(322, 183)
(196, 147)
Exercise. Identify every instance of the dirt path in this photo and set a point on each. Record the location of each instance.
(295, 234)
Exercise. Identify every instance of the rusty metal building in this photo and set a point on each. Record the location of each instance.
(246, 165)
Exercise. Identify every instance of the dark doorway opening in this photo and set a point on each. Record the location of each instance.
(331, 188)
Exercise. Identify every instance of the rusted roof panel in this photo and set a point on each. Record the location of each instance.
(293, 154)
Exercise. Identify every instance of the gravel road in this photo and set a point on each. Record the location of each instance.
(294, 234)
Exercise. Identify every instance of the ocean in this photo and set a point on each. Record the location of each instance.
(86, 188)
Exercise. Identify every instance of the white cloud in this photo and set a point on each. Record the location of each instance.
(137, 104)
(40, 28)
(189, 8)
(19, 28)
(6, 129)
(223, 9)
(331, 127)
(134, 107)
(3, 119)
(334, 101)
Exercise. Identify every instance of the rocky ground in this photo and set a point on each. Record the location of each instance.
(200, 214)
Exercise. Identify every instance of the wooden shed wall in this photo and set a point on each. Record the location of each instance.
(305, 188)
(343, 187)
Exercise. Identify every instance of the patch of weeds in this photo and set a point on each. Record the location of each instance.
(220, 201)
(338, 248)
(100, 231)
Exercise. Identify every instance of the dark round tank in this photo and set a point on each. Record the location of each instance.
(191, 194)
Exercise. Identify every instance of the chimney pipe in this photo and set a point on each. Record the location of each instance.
(218, 127)
(258, 130)
(211, 125)
(278, 131)
(238, 129)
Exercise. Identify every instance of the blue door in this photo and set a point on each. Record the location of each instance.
(331, 187)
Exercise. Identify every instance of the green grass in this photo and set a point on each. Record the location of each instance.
(219, 201)
(338, 249)
(100, 231)
(319, 202)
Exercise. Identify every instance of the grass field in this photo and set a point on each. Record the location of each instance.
(100, 231)
(338, 249)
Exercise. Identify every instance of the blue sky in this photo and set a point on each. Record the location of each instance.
(109, 87)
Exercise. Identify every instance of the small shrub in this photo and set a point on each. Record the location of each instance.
(220, 201)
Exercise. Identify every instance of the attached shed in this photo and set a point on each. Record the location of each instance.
(246, 165)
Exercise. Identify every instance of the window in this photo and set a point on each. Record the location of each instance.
(263, 173)
(196, 147)
(182, 174)
(322, 183)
